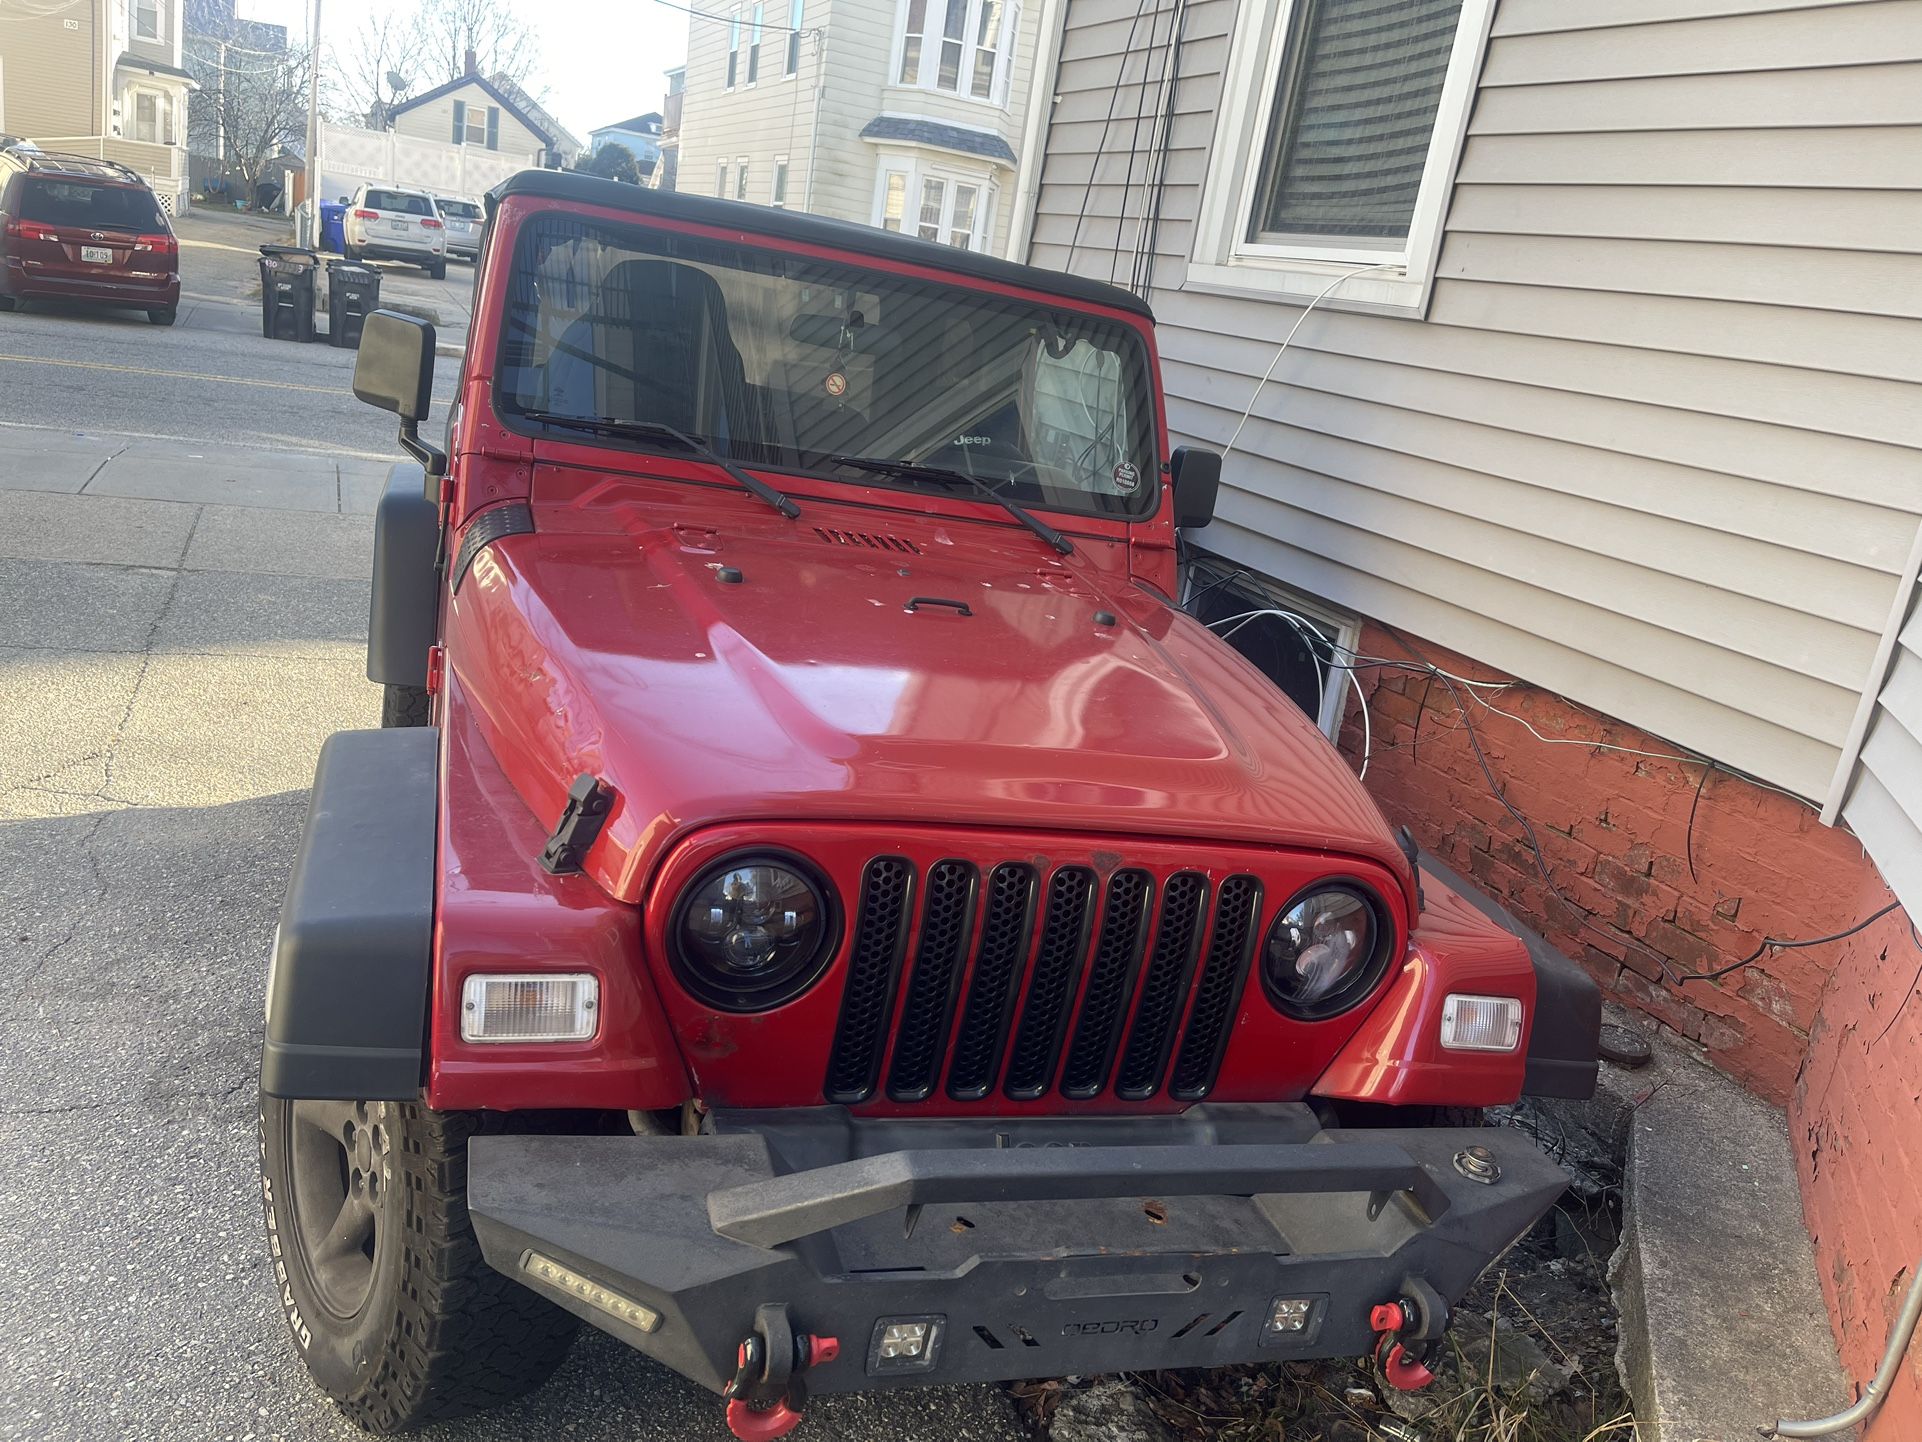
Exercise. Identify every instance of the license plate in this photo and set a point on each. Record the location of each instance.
(96, 255)
(399, 225)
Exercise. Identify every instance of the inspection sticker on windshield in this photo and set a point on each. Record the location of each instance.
(1126, 478)
(836, 383)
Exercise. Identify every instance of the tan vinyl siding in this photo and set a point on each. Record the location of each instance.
(435, 121)
(1657, 443)
(51, 83)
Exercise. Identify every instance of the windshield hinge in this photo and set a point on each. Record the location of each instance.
(588, 801)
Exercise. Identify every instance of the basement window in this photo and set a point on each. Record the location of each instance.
(1305, 653)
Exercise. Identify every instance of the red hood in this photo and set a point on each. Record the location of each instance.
(606, 643)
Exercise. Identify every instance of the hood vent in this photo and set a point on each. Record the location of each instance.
(873, 541)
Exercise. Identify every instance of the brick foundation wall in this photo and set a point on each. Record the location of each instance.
(1856, 1118)
(1823, 1030)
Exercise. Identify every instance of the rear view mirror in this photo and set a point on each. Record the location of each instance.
(395, 367)
(395, 371)
(1196, 477)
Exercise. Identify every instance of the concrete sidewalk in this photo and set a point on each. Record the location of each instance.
(179, 632)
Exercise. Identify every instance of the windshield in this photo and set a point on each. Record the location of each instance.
(103, 207)
(459, 209)
(405, 201)
(788, 362)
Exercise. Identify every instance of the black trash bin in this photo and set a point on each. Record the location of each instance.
(287, 274)
(353, 293)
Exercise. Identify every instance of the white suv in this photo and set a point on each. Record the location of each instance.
(391, 222)
(464, 220)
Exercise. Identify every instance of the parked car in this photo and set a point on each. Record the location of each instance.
(817, 910)
(76, 228)
(391, 222)
(464, 221)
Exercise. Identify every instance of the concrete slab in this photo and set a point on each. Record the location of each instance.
(47, 472)
(209, 730)
(221, 612)
(1723, 1327)
(282, 543)
(361, 484)
(110, 530)
(65, 605)
(60, 715)
(249, 478)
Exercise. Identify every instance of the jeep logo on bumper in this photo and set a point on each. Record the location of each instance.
(1139, 1326)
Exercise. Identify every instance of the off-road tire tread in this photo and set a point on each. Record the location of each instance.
(405, 706)
(465, 1337)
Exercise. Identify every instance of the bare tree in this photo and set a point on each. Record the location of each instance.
(251, 106)
(384, 62)
(503, 44)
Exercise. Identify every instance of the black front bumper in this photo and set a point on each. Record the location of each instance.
(1046, 1247)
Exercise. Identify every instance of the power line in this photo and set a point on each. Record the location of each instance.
(737, 19)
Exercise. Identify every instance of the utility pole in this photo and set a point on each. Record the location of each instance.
(313, 126)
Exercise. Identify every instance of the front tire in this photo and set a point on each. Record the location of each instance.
(381, 1280)
(405, 706)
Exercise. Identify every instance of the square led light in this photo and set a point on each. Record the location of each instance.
(1481, 1023)
(1288, 1316)
(905, 1344)
(602, 1299)
(520, 1007)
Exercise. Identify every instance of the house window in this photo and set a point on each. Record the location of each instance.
(733, 47)
(793, 66)
(1301, 653)
(934, 203)
(754, 47)
(1335, 148)
(780, 180)
(720, 180)
(146, 116)
(477, 124)
(967, 54)
(740, 178)
(144, 17)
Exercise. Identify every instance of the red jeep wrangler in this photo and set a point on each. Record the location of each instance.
(817, 909)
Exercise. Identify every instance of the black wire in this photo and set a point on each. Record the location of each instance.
(1903, 1005)
(1777, 944)
(1134, 142)
(1156, 183)
(1101, 146)
(746, 24)
(1688, 840)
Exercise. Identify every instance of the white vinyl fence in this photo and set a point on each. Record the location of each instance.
(350, 157)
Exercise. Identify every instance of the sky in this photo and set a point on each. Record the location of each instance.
(600, 60)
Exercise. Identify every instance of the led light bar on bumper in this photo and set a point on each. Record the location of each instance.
(1481, 1023)
(524, 1007)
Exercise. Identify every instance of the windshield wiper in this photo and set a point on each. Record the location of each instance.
(941, 475)
(642, 430)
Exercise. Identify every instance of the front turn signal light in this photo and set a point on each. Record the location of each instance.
(1481, 1023)
(549, 1006)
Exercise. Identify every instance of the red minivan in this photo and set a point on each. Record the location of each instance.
(75, 228)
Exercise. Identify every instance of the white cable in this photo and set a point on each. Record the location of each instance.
(1367, 732)
(1288, 340)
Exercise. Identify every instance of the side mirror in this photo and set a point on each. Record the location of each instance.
(1196, 478)
(395, 371)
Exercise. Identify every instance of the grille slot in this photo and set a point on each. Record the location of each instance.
(872, 540)
(1057, 968)
(1219, 990)
(1111, 977)
(1164, 987)
(940, 955)
(874, 962)
(1007, 923)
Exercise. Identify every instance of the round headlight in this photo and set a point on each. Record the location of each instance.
(752, 932)
(1325, 952)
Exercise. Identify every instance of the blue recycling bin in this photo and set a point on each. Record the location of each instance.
(332, 213)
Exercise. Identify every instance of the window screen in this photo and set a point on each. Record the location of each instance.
(1354, 112)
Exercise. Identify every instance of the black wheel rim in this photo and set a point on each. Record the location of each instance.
(339, 1157)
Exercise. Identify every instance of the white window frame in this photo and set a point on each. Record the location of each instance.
(777, 192)
(134, 7)
(915, 169)
(740, 177)
(159, 116)
(929, 69)
(720, 180)
(755, 24)
(731, 67)
(791, 42)
(1398, 277)
(1343, 627)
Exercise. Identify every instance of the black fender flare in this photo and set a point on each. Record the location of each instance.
(352, 960)
(403, 617)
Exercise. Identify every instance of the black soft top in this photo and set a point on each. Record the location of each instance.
(575, 188)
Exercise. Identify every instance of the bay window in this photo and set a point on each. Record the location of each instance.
(934, 202)
(962, 47)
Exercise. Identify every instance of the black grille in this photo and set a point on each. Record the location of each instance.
(1131, 996)
(1006, 924)
(1164, 987)
(1111, 977)
(939, 957)
(1057, 970)
(880, 934)
(1219, 990)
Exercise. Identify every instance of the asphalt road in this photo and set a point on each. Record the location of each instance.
(182, 622)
